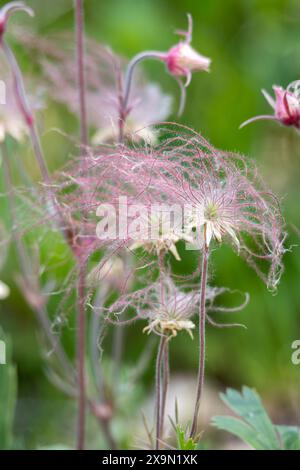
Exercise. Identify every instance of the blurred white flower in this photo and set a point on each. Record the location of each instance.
(4, 291)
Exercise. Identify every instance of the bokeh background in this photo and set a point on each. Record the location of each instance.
(253, 45)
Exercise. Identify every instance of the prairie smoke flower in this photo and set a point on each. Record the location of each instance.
(215, 213)
(286, 106)
(167, 308)
(183, 60)
(171, 310)
(219, 193)
(225, 193)
(166, 236)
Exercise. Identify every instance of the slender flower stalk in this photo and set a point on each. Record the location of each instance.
(159, 393)
(165, 385)
(79, 21)
(202, 320)
(181, 61)
(81, 357)
(130, 71)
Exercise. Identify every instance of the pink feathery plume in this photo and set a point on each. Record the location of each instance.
(221, 195)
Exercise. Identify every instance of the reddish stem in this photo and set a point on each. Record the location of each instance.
(80, 358)
(202, 318)
(79, 16)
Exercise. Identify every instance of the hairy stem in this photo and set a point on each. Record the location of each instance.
(202, 318)
(79, 21)
(124, 111)
(158, 399)
(81, 357)
(165, 385)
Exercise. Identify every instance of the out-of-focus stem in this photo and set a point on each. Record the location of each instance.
(25, 109)
(21, 98)
(97, 325)
(79, 21)
(25, 264)
(81, 357)
(118, 347)
(105, 427)
(202, 318)
(165, 385)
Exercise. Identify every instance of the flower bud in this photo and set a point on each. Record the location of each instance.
(287, 107)
(182, 59)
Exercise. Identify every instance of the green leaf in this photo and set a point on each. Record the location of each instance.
(184, 443)
(290, 437)
(255, 428)
(240, 429)
(249, 407)
(8, 396)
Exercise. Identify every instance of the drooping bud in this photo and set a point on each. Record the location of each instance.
(182, 59)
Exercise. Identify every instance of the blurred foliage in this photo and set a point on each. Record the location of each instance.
(8, 395)
(254, 44)
(255, 427)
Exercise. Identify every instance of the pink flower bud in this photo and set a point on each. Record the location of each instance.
(286, 106)
(182, 59)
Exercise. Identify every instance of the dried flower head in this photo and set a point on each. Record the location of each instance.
(221, 196)
(286, 106)
(168, 308)
(163, 234)
(171, 310)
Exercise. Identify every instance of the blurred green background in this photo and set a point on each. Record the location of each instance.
(253, 45)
